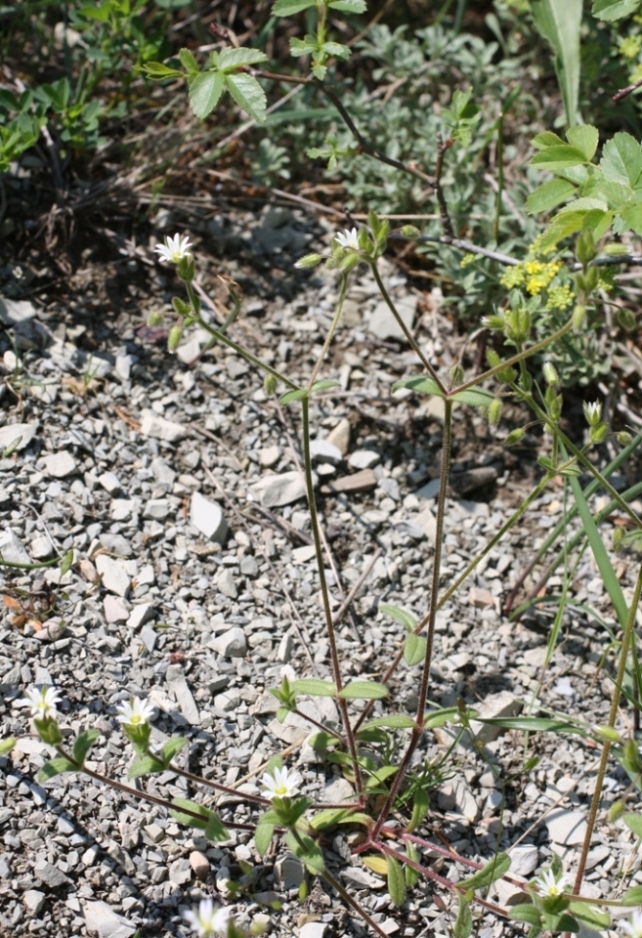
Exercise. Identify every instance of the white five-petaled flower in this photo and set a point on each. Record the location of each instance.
(207, 920)
(593, 413)
(551, 885)
(175, 249)
(348, 238)
(42, 701)
(281, 784)
(633, 927)
(135, 712)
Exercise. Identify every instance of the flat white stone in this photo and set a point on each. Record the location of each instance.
(208, 518)
(58, 465)
(110, 482)
(269, 456)
(429, 490)
(153, 425)
(524, 859)
(230, 644)
(180, 690)
(383, 324)
(339, 436)
(11, 548)
(566, 828)
(303, 554)
(140, 614)
(17, 436)
(503, 704)
(102, 921)
(226, 584)
(34, 900)
(278, 490)
(364, 459)
(115, 577)
(323, 451)
(115, 609)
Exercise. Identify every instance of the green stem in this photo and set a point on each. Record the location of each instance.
(627, 638)
(331, 331)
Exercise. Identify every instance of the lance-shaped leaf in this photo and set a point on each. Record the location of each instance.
(290, 7)
(414, 650)
(491, 872)
(55, 767)
(364, 690)
(610, 10)
(146, 765)
(315, 687)
(83, 744)
(407, 619)
(396, 881)
(477, 397)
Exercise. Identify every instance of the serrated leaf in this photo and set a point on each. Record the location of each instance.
(55, 767)
(633, 822)
(546, 139)
(171, 747)
(237, 58)
(464, 922)
(549, 195)
(407, 619)
(315, 687)
(585, 138)
(188, 60)
(395, 721)
(290, 396)
(263, 835)
(610, 10)
(6, 745)
(558, 157)
(633, 218)
(205, 92)
(525, 913)
(494, 870)
(396, 881)
(632, 896)
(83, 744)
(146, 765)
(414, 650)
(364, 690)
(336, 49)
(622, 159)
(348, 6)
(290, 7)
(248, 94)
(420, 805)
(376, 863)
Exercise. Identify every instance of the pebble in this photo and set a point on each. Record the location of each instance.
(140, 614)
(278, 490)
(566, 828)
(58, 465)
(110, 482)
(17, 436)
(102, 921)
(34, 900)
(153, 425)
(362, 481)
(230, 644)
(502, 704)
(182, 694)
(200, 865)
(207, 517)
(383, 324)
(226, 583)
(364, 459)
(50, 875)
(11, 548)
(313, 930)
(339, 436)
(322, 451)
(114, 576)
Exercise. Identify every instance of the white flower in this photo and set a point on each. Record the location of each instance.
(208, 920)
(551, 885)
(42, 701)
(633, 928)
(348, 239)
(282, 784)
(593, 413)
(134, 712)
(174, 249)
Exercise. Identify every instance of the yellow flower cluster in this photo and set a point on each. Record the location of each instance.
(560, 297)
(538, 275)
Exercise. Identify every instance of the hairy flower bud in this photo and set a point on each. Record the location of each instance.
(174, 338)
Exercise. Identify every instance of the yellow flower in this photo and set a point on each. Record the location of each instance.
(512, 277)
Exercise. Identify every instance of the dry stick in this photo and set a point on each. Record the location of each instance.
(338, 616)
(601, 772)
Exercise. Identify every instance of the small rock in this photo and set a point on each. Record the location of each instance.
(383, 324)
(226, 584)
(429, 490)
(269, 456)
(481, 598)
(278, 490)
(163, 472)
(110, 482)
(157, 509)
(200, 865)
(139, 615)
(227, 701)
(364, 459)
(115, 610)
(58, 465)
(524, 859)
(208, 518)
(303, 554)
(114, 576)
(34, 900)
(159, 428)
(17, 436)
(323, 451)
(566, 828)
(182, 694)
(230, 644)
(11, 548)
(363, 481)
(313, 930)
(41, 548)
(180, 872)
(50, 875)
(340, 436)
(103, 922)
(290, 872)
(427, 522)
(502, 704)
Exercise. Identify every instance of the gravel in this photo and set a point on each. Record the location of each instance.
(176, 484)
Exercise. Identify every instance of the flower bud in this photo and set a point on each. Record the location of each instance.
(593, 413)
(155, 319)
(270, 385)
(409, 231)
(624, 438)
(579, 317)
(308, 260)
(174, 337)
(515, 436)
(585, 247)
(494, 411)
(550, 374)
(598, 434)
(626, 319)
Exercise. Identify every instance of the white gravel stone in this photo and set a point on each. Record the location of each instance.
(208, 518)
(11, 548)
(339, 436)
(566, 828)
(41, 548)
(364, 459)
(524, 859)
(182, 694)
(153, 425)
(313, 930)
(323, 451)
(157, 509)
(114, 576)
(34, 900)
(383, 324)
(226, 583)
(278, 490)
(110, 482)
(503, 704)
(230, 644)
(17, 436)
(115, 609)
(140, 614)
(269, 456)
(102, 921)
(228, 700)
(58, 465)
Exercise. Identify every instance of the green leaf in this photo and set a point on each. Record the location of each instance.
(330, 817)
(6, 745)
(83, 744)
(634, 823)
(560, 923)
(205, 92)
(290, 396)
(407, 619)
(493, 871)
(237, 58)
(336, 49)
(622, 159)
(546, 139)
(263, 834)
(307, 46)
(348, 6)
(464, 922)
(200, 822)
(633, 218)
(525, 913)
(559, 157)
(589, 914)
(67, 563)
(560, 24)
(188, 61)
(171, 747)
(215, 830)
(414, 649)
(584, 137)
(315, 687)
(420, 805)
(411, 875)
(290, 7)
(436, 718)
(394, 721)
(146, 765)
(396, 881)
(307, 851)
(610, 10)
(475, 396)
(55, 767)
(532, 724)
(549, 195)
(324, 384)
(632, 896)
(364, 690)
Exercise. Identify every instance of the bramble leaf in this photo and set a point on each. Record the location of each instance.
(205, 92)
